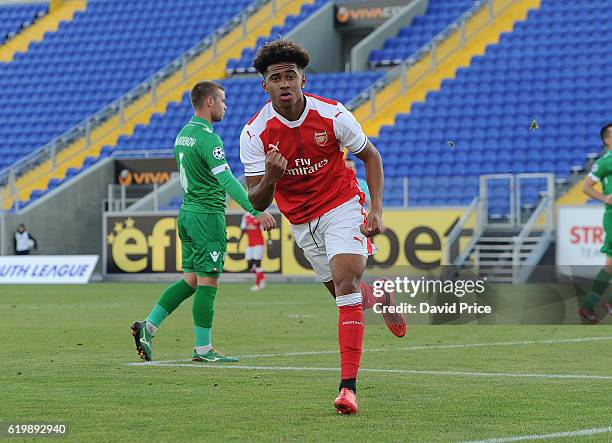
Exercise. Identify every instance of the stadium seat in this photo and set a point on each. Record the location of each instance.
(546, 70)
(439, 15)
(15, 17)
(245, 63)
(93, 59)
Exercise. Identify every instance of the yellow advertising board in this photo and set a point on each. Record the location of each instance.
(413, 238)
(148, 243)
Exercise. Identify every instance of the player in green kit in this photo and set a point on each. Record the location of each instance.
(601, 172)
(205, 178)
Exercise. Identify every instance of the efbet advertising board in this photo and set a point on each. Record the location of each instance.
(413, 239)
(149, 243)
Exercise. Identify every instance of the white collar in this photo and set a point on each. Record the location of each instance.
(293, 123)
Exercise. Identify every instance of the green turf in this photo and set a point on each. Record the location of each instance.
(65, 351)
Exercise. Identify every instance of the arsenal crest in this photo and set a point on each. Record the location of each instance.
(320, 138)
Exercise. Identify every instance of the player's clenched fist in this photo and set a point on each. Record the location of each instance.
(275, 165)
(267, 221)
(373, 225)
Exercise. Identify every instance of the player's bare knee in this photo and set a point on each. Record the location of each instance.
(347, 285)
(207, 281)
(191, 279)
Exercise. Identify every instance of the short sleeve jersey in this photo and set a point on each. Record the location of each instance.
(200, 156)
(602, 171)
(316, 180)
(252, 227)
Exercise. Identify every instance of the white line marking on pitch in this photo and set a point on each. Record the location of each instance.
(580, 433)
(392, 371)
(421, 348)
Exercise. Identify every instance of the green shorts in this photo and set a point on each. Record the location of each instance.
(203, 242)
(607, 225)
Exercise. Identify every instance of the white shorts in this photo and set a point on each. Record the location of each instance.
(335, 232)
(254, 252)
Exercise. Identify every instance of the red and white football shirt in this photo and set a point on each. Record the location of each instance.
(252, 227)
(316, 180)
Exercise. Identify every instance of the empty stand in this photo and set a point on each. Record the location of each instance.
(245, 63)
(440, 13)
(90, 61)
(551, 69)
(13, 18)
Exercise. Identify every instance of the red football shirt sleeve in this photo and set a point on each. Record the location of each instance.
(348, 131)
(252, 153)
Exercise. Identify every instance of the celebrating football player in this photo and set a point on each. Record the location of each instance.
(292, 150)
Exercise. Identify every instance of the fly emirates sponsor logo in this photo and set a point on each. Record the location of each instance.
(304, 166)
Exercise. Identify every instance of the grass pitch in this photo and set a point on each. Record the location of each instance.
(65, 353)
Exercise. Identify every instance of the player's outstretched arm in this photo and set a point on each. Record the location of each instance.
(375, 179)
(262, 187)
(235, 190)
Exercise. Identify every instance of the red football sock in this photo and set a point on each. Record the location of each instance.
(350, 334)
(259, 276)
(367, 296)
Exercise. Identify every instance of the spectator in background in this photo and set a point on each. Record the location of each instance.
(362, 183)
(23, 241)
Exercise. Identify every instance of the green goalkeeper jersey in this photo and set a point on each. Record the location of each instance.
(602, 171)
(200, 156)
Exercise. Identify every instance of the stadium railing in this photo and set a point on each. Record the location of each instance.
(473, 212)
(425, 60)
(527, 229)
(543, 215)
(83, 130)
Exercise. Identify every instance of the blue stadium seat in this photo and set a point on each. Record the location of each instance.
(245, 63)
(90, 61)
(546, 70)
(409, 39)
(14, 17)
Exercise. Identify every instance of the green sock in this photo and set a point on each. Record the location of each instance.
(172, 297)
(202, 336)
(591, 300)
(599, 286)
(203, 314)
(204, 306)
(157, 316)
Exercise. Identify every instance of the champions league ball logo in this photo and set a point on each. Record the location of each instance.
(218, 153)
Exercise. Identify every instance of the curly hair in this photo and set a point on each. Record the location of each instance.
(278, 51)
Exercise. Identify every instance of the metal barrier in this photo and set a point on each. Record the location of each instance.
(521, 269)
(121, 197)
(505, 205)
(451, 244)
(513, 227)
